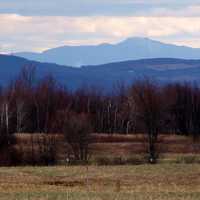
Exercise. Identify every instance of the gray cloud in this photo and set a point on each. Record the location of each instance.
(35, 25)
(37, 33)
(96, 7)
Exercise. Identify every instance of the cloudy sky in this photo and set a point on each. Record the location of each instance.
(36, 25)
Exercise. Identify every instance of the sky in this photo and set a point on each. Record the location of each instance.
(37, 25)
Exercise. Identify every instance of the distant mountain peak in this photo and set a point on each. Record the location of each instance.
(129, 39)
(142, 40)
(132, 48)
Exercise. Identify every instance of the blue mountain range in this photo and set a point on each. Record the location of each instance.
(163, 70)
(130, 49)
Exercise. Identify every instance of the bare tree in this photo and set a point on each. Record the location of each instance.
(77, 131)
(147, 103)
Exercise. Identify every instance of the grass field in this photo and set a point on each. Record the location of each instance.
(139, 182)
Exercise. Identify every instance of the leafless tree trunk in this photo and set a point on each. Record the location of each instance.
(147, 98)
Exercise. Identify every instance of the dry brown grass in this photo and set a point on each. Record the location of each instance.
(145, 182)
(138, 182)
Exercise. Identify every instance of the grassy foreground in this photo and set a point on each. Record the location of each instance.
(141, 182)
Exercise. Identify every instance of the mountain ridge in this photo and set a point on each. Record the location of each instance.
(130, 49)
(163, 70)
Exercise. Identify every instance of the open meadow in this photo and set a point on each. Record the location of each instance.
(117, 170)
(141, 182)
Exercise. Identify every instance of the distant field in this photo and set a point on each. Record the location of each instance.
(141, 182)
(130, 144)
(115, 145)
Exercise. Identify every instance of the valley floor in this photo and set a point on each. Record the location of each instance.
(139, 182)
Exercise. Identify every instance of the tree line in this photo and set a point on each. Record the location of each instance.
(28, 105)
